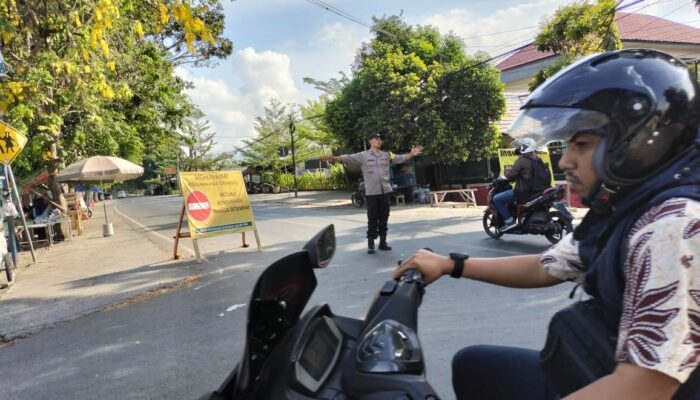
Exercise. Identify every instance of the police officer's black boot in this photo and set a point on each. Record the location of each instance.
(370, 245)
(382, 244)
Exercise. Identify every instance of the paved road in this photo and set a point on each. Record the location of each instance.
(182, 344)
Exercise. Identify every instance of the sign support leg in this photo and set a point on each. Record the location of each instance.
(243, 240)
(177, 232)
(257, 240)
(196, 250)
(11, 175)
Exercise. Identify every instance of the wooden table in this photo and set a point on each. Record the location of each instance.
(438, 196)
(47, 227)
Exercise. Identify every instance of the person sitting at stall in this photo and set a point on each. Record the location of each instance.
(41, 209)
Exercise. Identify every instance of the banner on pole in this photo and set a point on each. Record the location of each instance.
(216, 203)
(507, 157)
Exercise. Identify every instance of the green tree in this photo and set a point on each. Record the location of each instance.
(576, 30)
(418, 87)
(272, 130)
(333, 87)
(313, 126)
(273, 133)
(200, 142)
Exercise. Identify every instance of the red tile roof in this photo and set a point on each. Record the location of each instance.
(632, 27)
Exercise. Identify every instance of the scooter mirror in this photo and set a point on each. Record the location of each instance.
(321, 247)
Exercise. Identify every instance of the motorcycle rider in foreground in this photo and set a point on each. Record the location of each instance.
(630, 119)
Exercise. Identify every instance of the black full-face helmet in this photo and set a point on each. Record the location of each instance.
(643, 103)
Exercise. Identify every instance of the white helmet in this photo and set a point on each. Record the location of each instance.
(526, 144)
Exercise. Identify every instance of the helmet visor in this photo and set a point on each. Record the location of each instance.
(555, 124)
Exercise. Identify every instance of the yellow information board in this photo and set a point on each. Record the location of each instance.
(216, 203)
(11, 143)
(507, 157)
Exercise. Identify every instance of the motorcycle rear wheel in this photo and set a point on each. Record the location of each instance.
(565, 227)
(490, 222)
(357, 201)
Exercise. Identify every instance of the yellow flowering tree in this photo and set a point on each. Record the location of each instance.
(97, 76)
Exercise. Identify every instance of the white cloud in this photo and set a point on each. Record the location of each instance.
(330, 49)
(265, 74)
(478, 32)
(343, 39)
(232, 110)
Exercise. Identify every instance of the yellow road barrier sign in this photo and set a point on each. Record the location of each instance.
(11, 143)
(216, 203)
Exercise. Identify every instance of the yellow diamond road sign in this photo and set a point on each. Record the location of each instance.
(11, 143)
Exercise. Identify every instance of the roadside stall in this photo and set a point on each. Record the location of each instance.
(403, 180)
(47, 220)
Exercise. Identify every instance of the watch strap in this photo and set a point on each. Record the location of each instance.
(458, 267)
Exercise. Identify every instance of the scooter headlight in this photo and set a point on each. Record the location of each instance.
(390, 347)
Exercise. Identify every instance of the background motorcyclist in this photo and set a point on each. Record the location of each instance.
(630, 120)
(523, 173)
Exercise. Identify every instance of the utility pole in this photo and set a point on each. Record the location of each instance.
(292, 128)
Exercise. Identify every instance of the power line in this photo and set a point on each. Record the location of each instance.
(499, 33)
(277, 130)
(337, 11)
(656, 19)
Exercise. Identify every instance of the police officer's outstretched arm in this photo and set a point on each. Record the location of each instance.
(518, 271)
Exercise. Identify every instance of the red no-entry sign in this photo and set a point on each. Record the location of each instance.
(198, 206)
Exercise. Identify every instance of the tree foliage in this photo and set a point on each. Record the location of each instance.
(418, 87)
(314, 129)
(576, 30)
(97, 76)
(199, 142)
(311, 135)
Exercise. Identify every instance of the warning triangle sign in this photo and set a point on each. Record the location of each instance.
(11, 143)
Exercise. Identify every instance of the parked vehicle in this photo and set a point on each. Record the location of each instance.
(323, 355)
(542, 214)
(121, 194)
(357, 197)
(253, 187)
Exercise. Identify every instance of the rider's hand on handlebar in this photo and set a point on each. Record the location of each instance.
(430, 264)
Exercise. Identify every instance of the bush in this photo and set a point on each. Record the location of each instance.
(313, 180)
(338, 176)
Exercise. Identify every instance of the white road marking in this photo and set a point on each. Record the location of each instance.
(152, 231)
(235, 307)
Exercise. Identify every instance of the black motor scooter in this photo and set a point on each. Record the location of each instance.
(323, 355)
(357, 197)
(542, 214)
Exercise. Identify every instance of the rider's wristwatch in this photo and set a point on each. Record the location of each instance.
(459, 259)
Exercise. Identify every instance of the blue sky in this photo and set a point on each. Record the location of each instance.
(279, 42)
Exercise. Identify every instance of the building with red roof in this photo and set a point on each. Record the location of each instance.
(636, 31)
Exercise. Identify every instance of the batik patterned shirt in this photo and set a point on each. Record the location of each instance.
(660, 321)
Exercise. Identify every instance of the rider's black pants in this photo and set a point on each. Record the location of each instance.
(497, 372)
(377, 215)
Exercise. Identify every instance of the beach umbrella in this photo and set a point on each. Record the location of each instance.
(100, 169)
